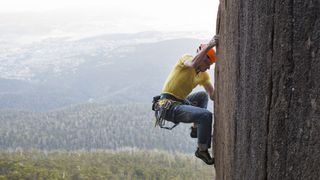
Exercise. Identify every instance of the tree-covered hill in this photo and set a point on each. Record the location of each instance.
(90, 126)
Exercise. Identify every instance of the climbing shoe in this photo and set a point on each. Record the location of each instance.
(193, 132)
(205, 156)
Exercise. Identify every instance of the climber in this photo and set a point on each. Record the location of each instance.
(176, 104)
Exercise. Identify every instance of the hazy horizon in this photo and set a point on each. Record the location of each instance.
(28, 21)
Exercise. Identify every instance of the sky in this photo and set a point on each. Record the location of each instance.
(29, 18)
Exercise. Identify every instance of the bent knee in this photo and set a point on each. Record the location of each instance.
(204, 116)
(207, 116)
(203, 96)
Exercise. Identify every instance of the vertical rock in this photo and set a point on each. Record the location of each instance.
(267, 107)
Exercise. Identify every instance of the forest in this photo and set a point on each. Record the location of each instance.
(90, 127)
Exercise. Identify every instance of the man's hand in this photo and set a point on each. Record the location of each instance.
(214, 41)
(202, 52)
(212, 96)
(210, 90)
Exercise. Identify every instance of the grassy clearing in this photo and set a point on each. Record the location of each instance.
(126, 164)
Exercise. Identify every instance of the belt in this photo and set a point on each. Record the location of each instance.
(169, 96)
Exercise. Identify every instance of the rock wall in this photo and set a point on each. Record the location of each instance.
(267, 80)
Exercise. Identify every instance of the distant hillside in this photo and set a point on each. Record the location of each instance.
(89, 127)
(114, 69)
(101, 165)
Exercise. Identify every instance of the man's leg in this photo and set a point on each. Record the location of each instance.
(203, 119)
(192, 114)
(198, 99)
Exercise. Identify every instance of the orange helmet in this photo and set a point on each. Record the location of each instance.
(211, 53)
(212, 56)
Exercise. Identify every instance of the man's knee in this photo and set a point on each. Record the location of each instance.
(200, 99)
(203, 95)
(208, 116)
(204, 116)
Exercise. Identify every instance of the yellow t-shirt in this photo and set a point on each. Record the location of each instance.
(183, 79)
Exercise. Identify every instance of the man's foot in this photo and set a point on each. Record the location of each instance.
(193, 132)
(205, 156)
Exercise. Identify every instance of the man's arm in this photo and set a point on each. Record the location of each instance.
(210, 90)
(213, 42)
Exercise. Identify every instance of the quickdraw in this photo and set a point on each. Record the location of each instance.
(161, 106)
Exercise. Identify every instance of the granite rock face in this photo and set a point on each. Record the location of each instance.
(267, 80)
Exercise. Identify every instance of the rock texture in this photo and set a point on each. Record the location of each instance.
(267, 79)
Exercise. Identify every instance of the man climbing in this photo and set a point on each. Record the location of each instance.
(176, 105)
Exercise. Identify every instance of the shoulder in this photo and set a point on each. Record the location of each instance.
(184, 58)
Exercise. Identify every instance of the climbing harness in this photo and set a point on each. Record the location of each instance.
(161, 106)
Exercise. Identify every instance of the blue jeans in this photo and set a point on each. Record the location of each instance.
(195, 113)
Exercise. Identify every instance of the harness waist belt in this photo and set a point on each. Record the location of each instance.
(169, 96)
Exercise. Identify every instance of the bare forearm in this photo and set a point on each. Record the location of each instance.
(213, 42)
(202, 54)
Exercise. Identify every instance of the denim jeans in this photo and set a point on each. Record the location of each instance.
(195, 113)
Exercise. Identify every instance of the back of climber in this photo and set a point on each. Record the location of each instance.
(176, 104)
